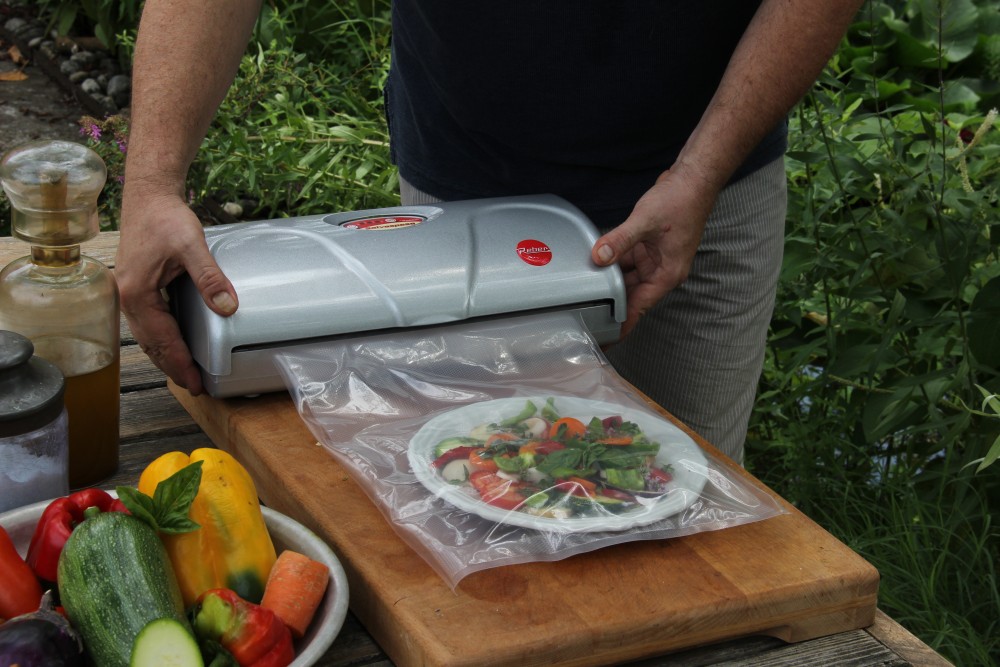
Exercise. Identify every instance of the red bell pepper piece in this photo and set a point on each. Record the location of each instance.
(20, 592)
(57, 522)
(254, 635)
(497, 491)
(453, 454)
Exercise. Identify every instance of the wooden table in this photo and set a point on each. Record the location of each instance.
(154, 422)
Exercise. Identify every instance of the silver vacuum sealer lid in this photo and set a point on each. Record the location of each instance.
(314, 277)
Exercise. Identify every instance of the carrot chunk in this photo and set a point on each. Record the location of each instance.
(294, 590)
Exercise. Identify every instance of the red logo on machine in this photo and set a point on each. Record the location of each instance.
(534, 252)
(384, 222)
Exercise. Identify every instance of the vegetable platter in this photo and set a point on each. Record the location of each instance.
(110, 527)
(565, 464)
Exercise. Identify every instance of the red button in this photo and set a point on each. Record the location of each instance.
(534, 252)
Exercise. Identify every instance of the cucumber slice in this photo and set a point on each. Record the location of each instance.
(452, 443)
(165, 642)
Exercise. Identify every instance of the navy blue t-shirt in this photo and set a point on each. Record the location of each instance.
(587, 99)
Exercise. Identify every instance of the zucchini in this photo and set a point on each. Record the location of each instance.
(165, 642)
(451, 443)
(114, 578)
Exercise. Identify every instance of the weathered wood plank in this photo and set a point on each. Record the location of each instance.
(354, 647)
(135, 454)
(102, 248)
(904, 643)
(153, 413)
(856, 648)
(138, 372)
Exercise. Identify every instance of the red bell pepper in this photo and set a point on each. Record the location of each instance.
(20, 593)
(453, 454)
(254, 635)
(57, 522)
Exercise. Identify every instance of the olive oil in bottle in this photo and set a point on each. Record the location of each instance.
(65, 302)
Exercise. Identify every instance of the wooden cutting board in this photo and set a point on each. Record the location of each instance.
(784, 576)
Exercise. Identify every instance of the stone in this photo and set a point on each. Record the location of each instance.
(110, 65)
(86, 59)
(106, 103)
(118, 84)
(30, 33)
(120, 89)
(91, 87)
(67, 67)
(15, 24)
(233, 209)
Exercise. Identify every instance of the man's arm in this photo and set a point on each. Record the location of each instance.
(783, 50)
(186, 57)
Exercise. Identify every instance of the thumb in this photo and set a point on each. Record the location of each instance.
(213, 285)
(613, 246)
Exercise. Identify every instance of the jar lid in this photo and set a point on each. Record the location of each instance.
(31, 388)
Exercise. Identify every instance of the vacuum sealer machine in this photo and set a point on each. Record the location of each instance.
(309, 279)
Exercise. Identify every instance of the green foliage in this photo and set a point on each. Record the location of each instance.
(301, 135)
(105, 19)
(109, 139)
(324, 29)
(887, 324)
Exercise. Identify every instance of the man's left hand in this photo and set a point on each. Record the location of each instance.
(656, 245)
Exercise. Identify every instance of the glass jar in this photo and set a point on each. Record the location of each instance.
(65, 302)
(34, 444)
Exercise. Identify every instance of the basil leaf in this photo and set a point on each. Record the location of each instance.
(563, 458)
(173, 497)
(139, 504)
(167, 510)
(613, 458)
(595, 429)
(510, 464)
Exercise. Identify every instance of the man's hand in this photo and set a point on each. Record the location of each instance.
(160, 241)
(656, 245)
(197, 46)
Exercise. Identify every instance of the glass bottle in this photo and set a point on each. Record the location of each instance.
(65, 302)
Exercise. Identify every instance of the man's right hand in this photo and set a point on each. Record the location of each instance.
(195, 46)
(162, 238)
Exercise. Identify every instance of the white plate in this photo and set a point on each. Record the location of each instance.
(676, 449)
(286, 533)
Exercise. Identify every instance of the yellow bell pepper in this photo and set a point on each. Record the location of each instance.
(232, 547)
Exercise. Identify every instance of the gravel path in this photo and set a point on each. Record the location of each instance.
(46, 85)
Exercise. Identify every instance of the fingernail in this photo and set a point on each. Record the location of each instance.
(224, 302)
(605, 253)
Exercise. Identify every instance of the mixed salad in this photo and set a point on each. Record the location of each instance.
(555, 466)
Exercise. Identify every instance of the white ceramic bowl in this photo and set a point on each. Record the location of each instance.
(286, 533)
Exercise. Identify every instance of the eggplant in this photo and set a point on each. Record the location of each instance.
(43, 638)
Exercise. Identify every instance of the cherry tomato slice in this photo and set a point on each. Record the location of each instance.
(477, 462)
(497, 491)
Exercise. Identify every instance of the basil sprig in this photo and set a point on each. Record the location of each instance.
(167, 510)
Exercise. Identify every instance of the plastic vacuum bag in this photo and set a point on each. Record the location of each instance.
(389, 406)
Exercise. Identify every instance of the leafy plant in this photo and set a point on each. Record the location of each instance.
(104, 18)
(301, 138)
(886, 325)
(109, 139)
(990, 402)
